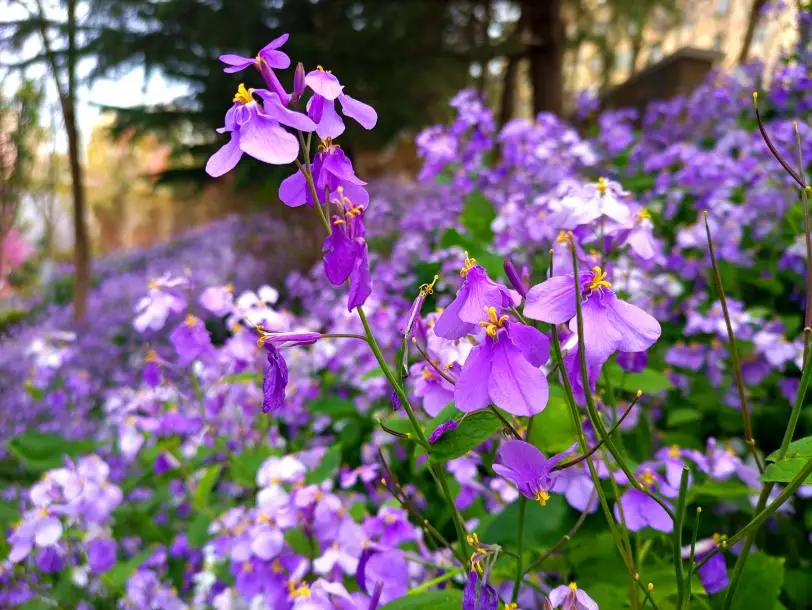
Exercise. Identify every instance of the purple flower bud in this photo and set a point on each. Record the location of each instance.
(440, 430)
(299, 81)
(288, 339)
(394, 399)
(101, 554)
(275, 381)
(514, 278)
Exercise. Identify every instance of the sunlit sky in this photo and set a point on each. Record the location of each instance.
(130, 89)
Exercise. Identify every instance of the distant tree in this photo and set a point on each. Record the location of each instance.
(60, 51)
(756, 8)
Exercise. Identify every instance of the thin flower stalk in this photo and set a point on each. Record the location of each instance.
(691, 557)
(677, 534)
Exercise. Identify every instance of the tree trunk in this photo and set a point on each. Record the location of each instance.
(81, 247)
(546, 44)
(752, 22)
(507, 103)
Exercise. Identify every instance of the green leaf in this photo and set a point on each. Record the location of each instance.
(39, 451)
(552, 428)
(543, 526)
(117, 577)
(333, 406)
(327, 468)
(648, 380)
(722, 489)
(198, 532)
(34, 392)
(472, 431)
(9, 512)
(477, 215)
(786, 470)
(449, 599)
(802, 448)
(678, 417)
(798, 587)
(202, 493)
(760, 583)
(301, 544)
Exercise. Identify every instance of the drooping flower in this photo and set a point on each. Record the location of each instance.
(478, 594)
(268, 59)
(256, 131)
(640, 237)
(333, 173)
(476, 294)
(527, 468)
(440, 430)
(504, 369)
(275, 380)
(321, 107)
(346, 252)
(610, 324)
(570, 597)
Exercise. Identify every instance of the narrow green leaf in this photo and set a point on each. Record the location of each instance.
(202, 493)
(198, 532)
(39, 451)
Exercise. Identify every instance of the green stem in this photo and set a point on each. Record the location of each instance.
(761, 517)
(800, 397)
(734, 352)
(308, 172)
(691, 560)
(594, 416)
(677, 535)
(435, 581)
(520, 533)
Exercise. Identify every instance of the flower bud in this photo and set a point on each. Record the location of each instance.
(514, 278)
(299, 81)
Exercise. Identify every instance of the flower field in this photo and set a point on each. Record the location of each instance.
(565, 368)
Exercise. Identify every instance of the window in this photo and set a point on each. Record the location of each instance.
(722, 7)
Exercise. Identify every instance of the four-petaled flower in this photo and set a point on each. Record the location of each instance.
(526, 467)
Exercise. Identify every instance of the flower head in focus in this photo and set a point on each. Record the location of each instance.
(526, 467)
(321, 107)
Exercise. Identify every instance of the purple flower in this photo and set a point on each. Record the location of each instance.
(50, 560)
(268, 58)
(478, 595)
(640, 510)
(190, 340)
(527, 468)
(632, 362)
(218, 299)
(504, 369)
(477, 293)
(610, 324)
(164, 299)
(570, 597)
(321, 107)
(275, 380)
(332, 172)
(256, 131)
(713, 573)
(101, 554)
(38, 527)
(345, 253)
(435, 391)
(440, 430)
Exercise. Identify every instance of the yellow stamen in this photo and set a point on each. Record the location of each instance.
(229, 287)
(601, 186)
(674, 452)
(152, 284)
(562, 238)
(599, 279)
(276, 566)
(542, 497)
(648, 477)
(427, 289)
(302, 591)
(511, 606)
(151, 356)
(243, 95)
(191, 320)
(573, 587)
(427, 374)
(467, 265)
(493, 323)
(643, 215)
(247, 567)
